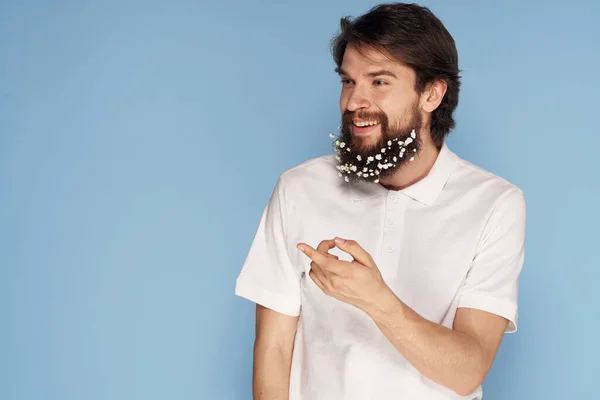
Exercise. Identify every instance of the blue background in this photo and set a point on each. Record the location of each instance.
(140, 141)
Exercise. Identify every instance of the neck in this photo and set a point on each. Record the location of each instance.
(414, 171)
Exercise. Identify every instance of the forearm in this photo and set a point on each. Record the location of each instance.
(450, 358)
(271, 375)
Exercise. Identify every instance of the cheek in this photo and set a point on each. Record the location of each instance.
(385, 103)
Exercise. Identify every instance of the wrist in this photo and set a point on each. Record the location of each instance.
(387, 304)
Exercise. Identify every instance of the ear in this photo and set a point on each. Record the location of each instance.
(433, 95)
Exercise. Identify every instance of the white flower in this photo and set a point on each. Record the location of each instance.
(395, 159)
(412, 159)
(331, 135)
(346, 179)
(378, 156)
(370, 158)
(389, 142)
(342, 145)
(358, 157)
(376, 181)
(413, 134)
(407, 142)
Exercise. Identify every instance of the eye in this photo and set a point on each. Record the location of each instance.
(379, 82)
(346, 82)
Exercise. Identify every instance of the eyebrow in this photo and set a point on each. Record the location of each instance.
(381, 72)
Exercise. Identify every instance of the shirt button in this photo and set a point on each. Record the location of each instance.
(390, 249)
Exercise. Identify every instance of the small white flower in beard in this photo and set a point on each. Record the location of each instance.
(346, 179)
(376, 181)
(331, 135)
(413, 134)
(412, 158)
(378, 156)
(358, 157)
(408, 141)
(414, 150)
(342, 145)
(389, 142)
(395, 159)
(383, 150)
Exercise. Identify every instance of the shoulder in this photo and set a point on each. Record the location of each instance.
(483, 186)
(312, 176)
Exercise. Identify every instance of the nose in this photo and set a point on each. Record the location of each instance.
(357, 100)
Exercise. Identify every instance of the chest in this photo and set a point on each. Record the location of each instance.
(423, 252)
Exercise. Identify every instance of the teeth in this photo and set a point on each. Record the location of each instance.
(365, 123)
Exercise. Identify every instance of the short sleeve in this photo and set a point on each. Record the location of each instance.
(492, 281)
(268, 276)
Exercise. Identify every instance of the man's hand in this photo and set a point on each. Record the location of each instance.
(358, 283)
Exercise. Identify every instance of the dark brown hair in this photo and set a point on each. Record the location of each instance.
(414, 36)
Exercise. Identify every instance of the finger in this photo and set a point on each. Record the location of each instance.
(325, 246)
(353, 248)
(314, 255)
(327, 264)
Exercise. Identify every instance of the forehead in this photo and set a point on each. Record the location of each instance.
(367, 59)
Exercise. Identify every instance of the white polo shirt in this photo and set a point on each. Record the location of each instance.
(453, 239)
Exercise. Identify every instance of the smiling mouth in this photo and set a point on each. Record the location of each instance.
(364, 128)
(365, 124)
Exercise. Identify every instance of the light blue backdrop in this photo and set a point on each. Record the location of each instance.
(140, 140)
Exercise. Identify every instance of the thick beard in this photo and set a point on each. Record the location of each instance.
(394, 149)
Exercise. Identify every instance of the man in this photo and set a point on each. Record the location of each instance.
(388, 270)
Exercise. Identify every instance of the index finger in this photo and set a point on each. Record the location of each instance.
(313, 254)
(330, 264)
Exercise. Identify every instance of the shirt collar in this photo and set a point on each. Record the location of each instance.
(425, 191)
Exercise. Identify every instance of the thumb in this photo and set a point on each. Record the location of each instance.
(355, 250)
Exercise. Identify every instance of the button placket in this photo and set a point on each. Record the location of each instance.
(393, 228)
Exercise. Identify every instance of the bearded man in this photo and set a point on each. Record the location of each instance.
(389, 269)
